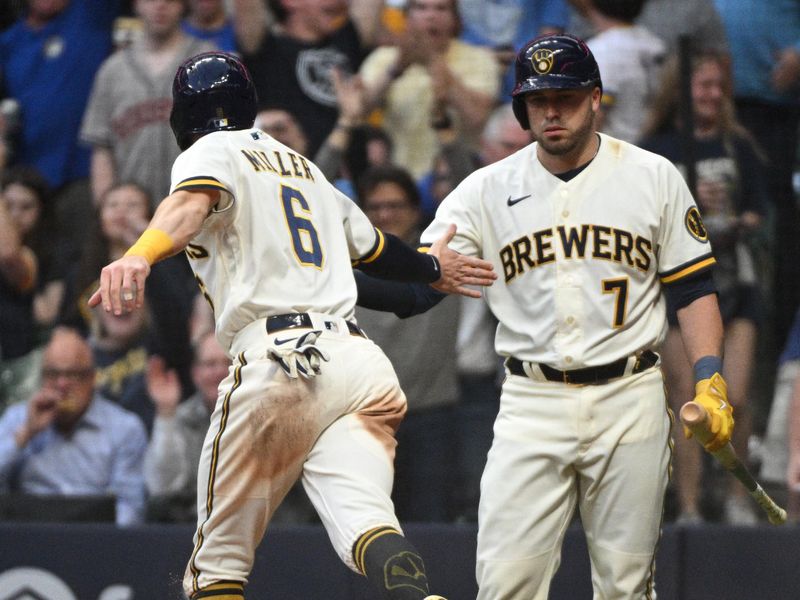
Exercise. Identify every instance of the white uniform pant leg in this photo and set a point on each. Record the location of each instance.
(349, 473)
(258, 437)
(528, 490)
(623, 478)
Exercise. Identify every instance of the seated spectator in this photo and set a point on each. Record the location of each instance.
(731, 194)
(429, 79)
(292, 48)
(423, 487)
(127, 119)
(170, 464)
(69, 440)
(209, 20)
(629, 57)
(120, 347)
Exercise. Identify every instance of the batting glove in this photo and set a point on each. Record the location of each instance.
(712, 394)
(302, 360)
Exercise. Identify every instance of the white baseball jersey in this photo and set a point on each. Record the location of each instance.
(580, 263)
(281, 239)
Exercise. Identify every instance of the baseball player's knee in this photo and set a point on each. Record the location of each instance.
(527, 578)
(622, 575)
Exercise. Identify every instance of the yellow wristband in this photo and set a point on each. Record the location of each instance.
(152, 245)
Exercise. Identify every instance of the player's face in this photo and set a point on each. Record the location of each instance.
(708, 92)
(209, 368)
(160, 18)
(23, 207)
(390, 210)
(562, 121)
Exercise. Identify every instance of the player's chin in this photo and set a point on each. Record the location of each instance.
(557, 144)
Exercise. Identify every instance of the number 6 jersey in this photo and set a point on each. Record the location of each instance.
(281, 238)
(581, 263)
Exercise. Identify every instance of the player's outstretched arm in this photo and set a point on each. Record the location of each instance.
(459, 270)
(176, 221)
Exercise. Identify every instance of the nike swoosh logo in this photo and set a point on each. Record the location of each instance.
(280, 341)
(511, 202)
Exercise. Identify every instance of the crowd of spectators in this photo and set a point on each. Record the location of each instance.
(396, 101)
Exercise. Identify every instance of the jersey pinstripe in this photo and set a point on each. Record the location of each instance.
(582, 262)
(282, 238)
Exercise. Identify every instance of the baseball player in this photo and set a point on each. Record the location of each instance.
(591, 236)
(271, 243)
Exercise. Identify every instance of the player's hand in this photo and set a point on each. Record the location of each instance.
(712, 394)
(458, 270)
(122, 285)
(163, 386)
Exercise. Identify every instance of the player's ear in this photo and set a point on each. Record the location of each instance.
(597, 96)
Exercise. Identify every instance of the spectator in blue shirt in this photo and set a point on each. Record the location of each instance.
(68, 440)
(48, 60)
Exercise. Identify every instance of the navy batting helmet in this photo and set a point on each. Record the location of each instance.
(212, 91)
(552, 62)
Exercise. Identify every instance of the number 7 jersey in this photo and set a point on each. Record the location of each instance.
(281, 239)
(581, 263)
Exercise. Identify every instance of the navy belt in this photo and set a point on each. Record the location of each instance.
(587, 375)
(277, 323)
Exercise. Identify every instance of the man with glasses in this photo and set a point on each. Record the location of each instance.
(68, 440)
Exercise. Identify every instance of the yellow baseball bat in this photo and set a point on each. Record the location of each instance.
(697, 419)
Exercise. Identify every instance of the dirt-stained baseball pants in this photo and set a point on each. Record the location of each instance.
(336, 431)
